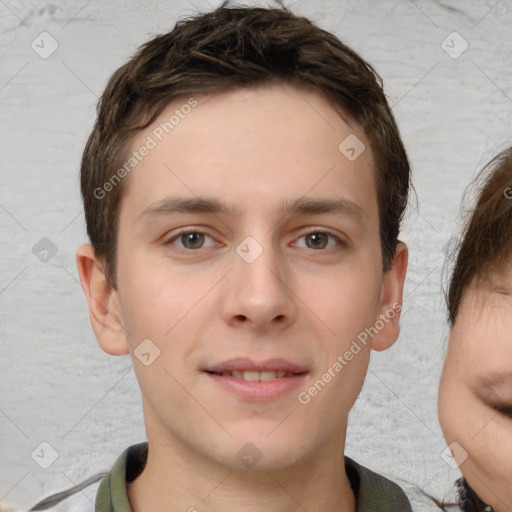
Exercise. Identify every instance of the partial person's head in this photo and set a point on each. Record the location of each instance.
(475, 396)
(243, 186)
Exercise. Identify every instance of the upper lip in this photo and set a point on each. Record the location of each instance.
(245, 364)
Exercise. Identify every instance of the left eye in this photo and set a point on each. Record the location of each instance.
(319, 240)
(190, 240)
(504, 409)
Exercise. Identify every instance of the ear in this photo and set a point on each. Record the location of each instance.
(104, 310)
(391, 300)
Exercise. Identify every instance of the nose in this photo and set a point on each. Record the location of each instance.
(259, 292)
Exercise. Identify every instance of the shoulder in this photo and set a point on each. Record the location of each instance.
(375, 492)
(112, 495)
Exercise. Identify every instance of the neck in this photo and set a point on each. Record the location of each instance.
(175, 479)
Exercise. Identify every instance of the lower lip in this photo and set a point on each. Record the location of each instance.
(258, 389)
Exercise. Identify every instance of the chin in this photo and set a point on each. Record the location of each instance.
(255, 453)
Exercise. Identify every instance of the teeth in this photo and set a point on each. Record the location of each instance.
(251, 376)
(254, 376)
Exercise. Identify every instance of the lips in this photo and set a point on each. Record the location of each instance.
(250, 370)
(254, 376)
(257, 381)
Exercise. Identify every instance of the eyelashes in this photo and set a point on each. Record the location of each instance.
(191, 237)
(503, 409)
(326, 234)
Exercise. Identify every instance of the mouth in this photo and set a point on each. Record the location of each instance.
(251, 370)
(253, 376)
(257, 381)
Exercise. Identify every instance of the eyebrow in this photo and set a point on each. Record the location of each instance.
(300, 206)
(499, 381)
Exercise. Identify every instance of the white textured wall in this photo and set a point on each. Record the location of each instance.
(57, 386)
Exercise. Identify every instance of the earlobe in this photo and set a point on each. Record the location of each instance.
(104, 310)
(388, 320)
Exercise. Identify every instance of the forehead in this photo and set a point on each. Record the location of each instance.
(480, 337)
(272, 143)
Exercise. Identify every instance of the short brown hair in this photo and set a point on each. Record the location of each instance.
(224, 49)
(486, 242)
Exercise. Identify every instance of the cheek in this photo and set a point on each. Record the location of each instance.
(459, 415)
(347, 317)
(144, 301)
(486, 439)
(154, 297)
(488, 467)
(446, 399)
(458, 408)
(349, 304)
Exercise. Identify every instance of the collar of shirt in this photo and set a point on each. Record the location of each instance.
(373, 491)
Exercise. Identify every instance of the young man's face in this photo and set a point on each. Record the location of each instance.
(281, 267)
(475, 395)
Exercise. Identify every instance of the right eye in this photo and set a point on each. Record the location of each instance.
(189, 240)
